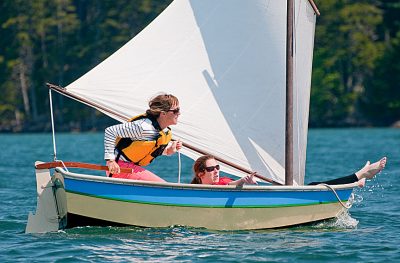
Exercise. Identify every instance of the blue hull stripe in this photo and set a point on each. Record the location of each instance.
(201, 197)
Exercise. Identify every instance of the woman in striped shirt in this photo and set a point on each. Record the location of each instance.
(136, 143)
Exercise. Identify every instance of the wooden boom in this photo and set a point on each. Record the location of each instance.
(64, 92)
(89, 166)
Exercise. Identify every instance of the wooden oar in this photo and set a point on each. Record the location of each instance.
(89, 166)
(63, 91)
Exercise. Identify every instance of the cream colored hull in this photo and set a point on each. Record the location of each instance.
(149, 215)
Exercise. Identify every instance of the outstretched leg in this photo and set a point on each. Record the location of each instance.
(367, 172)
(361, 183)
(341, 180)
(370, 170)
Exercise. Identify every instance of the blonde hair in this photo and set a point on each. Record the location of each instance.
(161, 102)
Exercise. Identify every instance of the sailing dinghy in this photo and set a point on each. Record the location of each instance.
(242, 73)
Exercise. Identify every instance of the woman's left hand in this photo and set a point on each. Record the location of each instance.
(178, 145)
(249, 179)
(175, 146)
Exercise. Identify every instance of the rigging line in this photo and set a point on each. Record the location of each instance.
(63, 164)
(315, 8)
(179, 167)
(52, 126)
(337, 196)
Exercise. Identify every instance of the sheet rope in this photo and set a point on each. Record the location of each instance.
(337, 197)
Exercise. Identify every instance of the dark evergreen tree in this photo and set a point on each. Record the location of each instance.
(355, 73)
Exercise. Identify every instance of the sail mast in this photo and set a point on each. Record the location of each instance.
(289, 96)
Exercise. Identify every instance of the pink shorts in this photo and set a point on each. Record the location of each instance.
(138, 173)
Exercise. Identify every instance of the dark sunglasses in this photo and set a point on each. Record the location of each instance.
(211, 168)
(175, 111)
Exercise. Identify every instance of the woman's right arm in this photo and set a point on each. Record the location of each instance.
(248, 179)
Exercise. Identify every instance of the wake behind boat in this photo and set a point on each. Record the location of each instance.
(227, 62)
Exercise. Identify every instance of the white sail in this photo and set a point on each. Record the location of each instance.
(225, 61)
(304, 45)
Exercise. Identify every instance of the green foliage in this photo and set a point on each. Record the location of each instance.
(355, 76)
(57, 41)
(347, 48)
(382, 100)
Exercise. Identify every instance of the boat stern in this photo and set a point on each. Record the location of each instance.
(51, 207)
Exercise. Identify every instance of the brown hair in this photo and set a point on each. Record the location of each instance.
(161, 102)
(199, 166)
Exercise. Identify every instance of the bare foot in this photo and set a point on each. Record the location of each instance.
(361, 183)
(370, 170)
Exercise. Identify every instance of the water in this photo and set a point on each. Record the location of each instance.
(369, 233)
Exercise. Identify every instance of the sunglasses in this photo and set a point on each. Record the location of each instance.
(211, 168)
(175, 111)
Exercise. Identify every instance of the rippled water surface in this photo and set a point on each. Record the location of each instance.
(370, 233)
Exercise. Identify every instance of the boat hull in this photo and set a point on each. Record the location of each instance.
(149, 215)
(95, 200)
(220, 208)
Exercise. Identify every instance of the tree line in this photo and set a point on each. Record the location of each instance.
(355, 72)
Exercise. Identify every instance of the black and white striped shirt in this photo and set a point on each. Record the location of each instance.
(140, 130)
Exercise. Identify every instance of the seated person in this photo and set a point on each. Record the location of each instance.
(206, 170)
